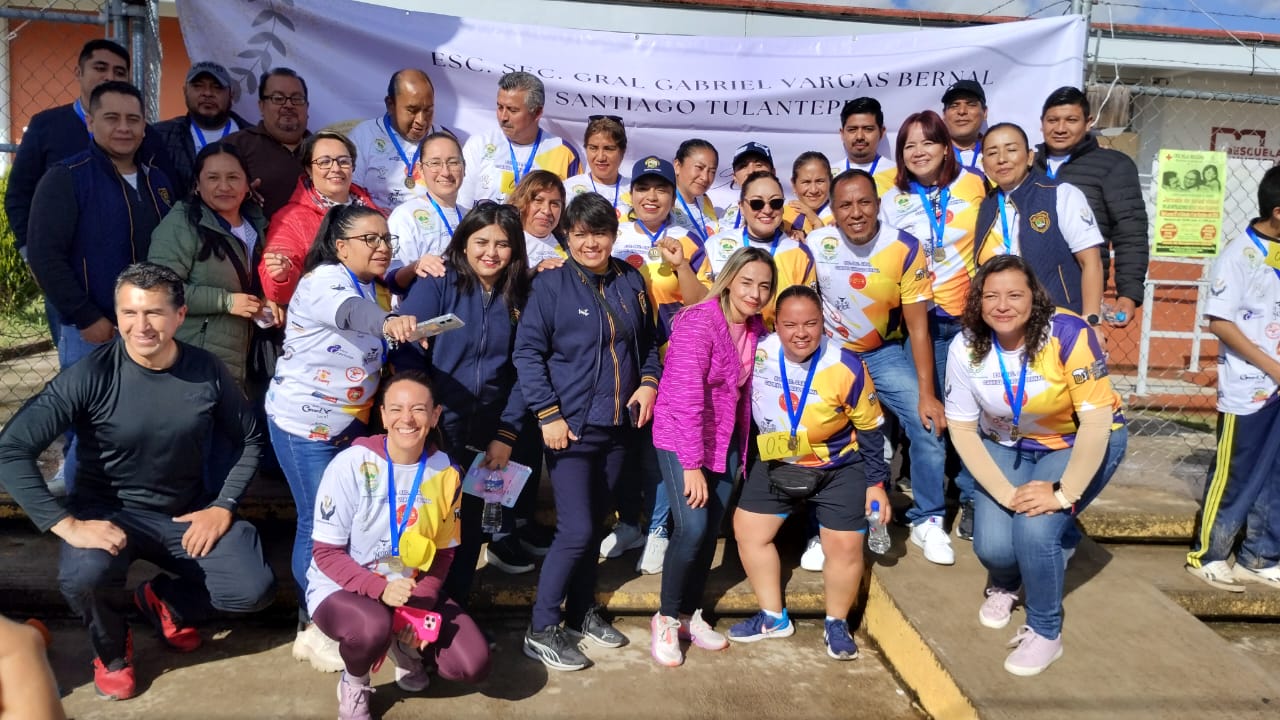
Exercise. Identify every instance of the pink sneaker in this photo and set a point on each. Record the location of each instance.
(353, 698)
(665, 645)
(1033, 653)
(997, 608)
(700, 633)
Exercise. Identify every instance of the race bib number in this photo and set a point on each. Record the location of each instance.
(779, 445)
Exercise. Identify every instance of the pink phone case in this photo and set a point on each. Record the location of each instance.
(426, 624)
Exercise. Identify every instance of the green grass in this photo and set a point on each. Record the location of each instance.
(23, 325)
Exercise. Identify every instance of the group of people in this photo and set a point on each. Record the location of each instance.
(688, 362)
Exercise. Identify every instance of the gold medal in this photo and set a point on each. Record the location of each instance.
(1014, 434)
(655, 253)
(408, 182)
(395, 564)
(793, 444)
(939, 255)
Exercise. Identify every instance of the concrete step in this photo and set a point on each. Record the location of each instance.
(1131, 650)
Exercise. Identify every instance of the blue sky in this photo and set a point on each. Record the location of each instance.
(1235, 15)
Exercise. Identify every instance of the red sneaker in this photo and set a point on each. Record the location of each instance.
(118, 684)
(182, 639)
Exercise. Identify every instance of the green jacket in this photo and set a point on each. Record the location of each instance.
(211, 281)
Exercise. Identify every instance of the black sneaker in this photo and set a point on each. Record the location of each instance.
(507, 555)
(964, 528)
(536, 538)
(554, 648)
(597, 630)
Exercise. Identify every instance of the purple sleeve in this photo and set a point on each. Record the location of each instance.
(341, 568)
(684, 379)
(430, 582)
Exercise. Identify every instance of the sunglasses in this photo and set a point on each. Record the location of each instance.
(615, 118)
(757, 204)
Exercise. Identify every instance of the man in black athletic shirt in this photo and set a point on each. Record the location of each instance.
(146, 409)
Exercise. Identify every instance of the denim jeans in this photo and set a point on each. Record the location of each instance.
(694, 531)
(303, 463)
(234, 577)
(641, 487)
(71, 347)
(943, 329)
(1027, 551)
(894, 376)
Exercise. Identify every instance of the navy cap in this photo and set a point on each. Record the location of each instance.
(964, 87)
(751, 148)
(653, 165)
(212, 69)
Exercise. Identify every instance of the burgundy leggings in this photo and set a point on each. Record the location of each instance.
(362, 627)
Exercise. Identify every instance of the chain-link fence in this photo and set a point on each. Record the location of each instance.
(42, 40)
(1165, 366)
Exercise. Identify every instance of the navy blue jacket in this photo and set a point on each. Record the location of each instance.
(53, 135)
(471, 366)
(1043, 247)
(561, 356)
(87, 225)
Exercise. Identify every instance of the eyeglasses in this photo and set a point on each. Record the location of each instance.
(324, 163)
(374, 239)
(437, 164)
(757, 204)
(615, 118)
(280, 99)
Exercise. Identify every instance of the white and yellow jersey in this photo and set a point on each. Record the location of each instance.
(495, 165)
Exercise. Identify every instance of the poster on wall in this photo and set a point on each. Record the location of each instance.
(1189, 197)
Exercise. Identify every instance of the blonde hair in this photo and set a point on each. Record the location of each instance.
(738, 260)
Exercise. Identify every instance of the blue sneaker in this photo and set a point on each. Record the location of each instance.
(760, 626)
(839, 641)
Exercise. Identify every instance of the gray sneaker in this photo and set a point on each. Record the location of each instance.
(597, 630)
(555, 649)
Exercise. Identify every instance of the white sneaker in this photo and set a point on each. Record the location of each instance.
(1266, 576)
(813, 558)
(314, 646)
(937, 546)
(1217, 574)
(655, 551)
(624, 537)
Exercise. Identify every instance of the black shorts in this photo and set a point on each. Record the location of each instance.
(840, 500)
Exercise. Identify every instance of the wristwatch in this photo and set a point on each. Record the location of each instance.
(1093, 319)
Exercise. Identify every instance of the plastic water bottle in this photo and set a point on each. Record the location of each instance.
(491, 517)
(1110, 314)
(877, 533)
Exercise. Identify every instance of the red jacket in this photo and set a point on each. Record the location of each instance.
(292, 230)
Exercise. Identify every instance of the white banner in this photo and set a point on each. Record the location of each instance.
(785, 92)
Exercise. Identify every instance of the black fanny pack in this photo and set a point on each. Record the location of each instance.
(795, 481)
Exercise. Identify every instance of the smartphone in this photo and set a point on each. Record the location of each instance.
(435, 326)
(633, 412)
(425, 623)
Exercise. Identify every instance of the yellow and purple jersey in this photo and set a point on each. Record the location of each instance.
(945, 220)
(1068, 376)
(883, 170)
(495, 165)
(864, 287)
(792, 219)
(635, 247)
(841, 400)
(791, 258)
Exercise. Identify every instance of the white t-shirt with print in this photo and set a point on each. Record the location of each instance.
(351, 510)
(1246, 291)
(379, 168)
(421, 230)
(617, 194)
(540, 249)
(325, 377)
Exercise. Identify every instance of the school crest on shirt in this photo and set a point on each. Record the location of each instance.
(762, 356)
(727, 246)
(369, 471)
(164, 196)
(580, 190)
(902, 201)
(829, 246)
(1040, 221)
(490, 149)
(380, 145)
(423, 218)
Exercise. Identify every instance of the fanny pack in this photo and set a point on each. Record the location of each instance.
(795, 481)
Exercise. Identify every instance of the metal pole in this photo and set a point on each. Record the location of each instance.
(1144, 341)
(99, 18)
(118, 22)
(138, 52)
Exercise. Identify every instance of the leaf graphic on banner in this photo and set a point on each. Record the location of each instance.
(261, 44)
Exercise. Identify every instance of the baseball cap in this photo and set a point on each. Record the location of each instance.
(964, 87)
(212, 69)
(653, 165)
(748, 149)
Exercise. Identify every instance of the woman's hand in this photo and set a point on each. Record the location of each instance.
(399, 327)
(672, 252)
(1035, 498)
(932, 415)
(556, 434)
(429, 266)
(695, 488)
(277, 265)
(645, 396)
(409, 638)
(877, 493)
(244, 305)
(496, 456)
(397, 592)
(278, 312)
(549, 263)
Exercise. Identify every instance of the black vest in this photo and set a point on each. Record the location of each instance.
(1040, 239)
